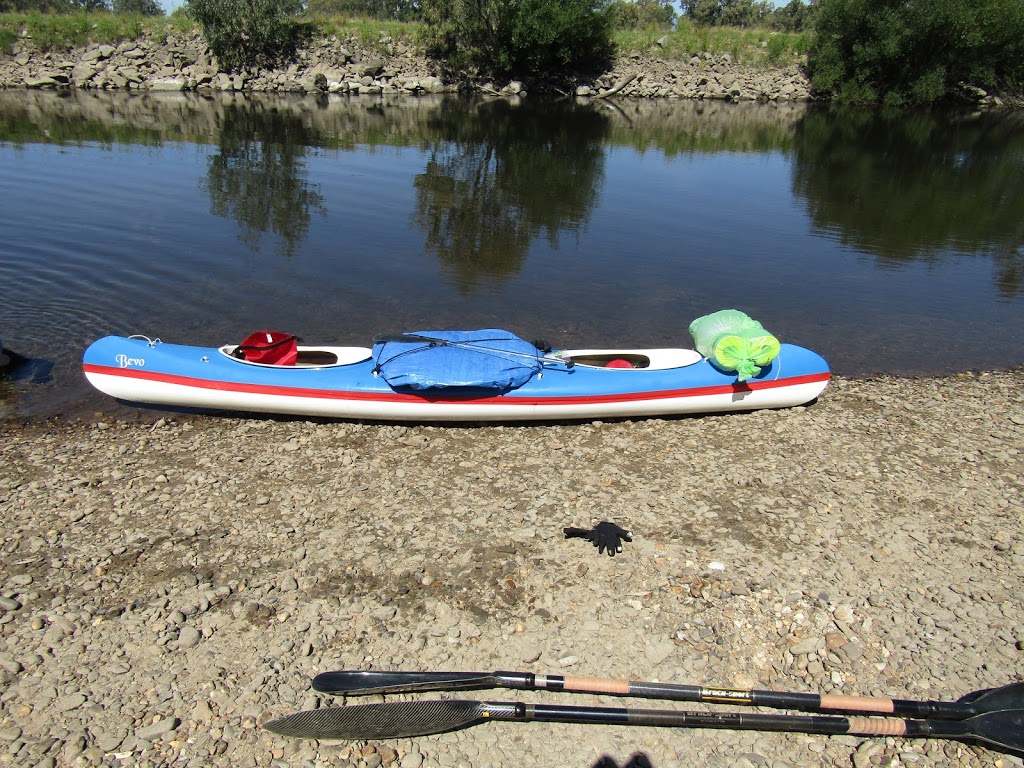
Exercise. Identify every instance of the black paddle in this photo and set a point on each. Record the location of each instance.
(400, 719)
(353, 683)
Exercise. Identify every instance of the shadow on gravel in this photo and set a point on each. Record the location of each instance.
(638, 760)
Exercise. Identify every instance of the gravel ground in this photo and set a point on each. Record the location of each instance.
(167, 585)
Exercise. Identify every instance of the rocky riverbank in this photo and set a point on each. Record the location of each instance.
(168, 585)
(183, 62)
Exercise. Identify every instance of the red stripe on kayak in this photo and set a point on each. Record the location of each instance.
(397, 397)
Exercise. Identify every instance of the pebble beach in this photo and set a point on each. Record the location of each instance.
(169, 583)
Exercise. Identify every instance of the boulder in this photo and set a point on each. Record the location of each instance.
(98, 53)
(131, 74)
(370, 67)
(433, 84)
(58, 77)
(83, 72)
(42, 81)
(167, 84)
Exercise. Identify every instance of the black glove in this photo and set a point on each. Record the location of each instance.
(605, 536)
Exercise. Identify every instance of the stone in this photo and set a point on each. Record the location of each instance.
(189, 637)
(804, 647)
(370, 67)
(9, 604)
(42, 82)
(167, 84)
(69, 702)
(160, 728)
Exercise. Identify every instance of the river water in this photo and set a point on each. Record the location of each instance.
(888, 244)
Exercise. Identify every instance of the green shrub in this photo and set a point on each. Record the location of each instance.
(254, 33)
(778, 47)
(519, 38)
(802, 42)
(8, 37)
(897, 53)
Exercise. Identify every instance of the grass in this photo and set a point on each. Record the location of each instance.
(755, 47)
(59, 32)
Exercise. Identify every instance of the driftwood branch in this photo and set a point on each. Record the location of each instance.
(618, 86)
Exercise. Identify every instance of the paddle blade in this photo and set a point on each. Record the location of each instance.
(1000, 729)
(996, 699)
(390, 720)
(354, 683)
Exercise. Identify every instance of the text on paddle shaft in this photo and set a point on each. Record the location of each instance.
(129, 362)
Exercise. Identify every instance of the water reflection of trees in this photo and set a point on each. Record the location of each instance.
(914, 187)
(259, 176)
(502, 174)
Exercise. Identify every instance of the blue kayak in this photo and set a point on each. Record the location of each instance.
(418, 377)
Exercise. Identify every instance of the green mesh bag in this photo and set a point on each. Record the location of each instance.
(734, 342)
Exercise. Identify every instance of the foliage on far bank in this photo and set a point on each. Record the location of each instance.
(249, 33)
(795, 16)
(136, 7)
(519, 38)
(63, 31)
(894, 52)
(757, 47)
(380, 10)
(642, 14)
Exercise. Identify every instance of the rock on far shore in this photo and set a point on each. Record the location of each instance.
(183, 62)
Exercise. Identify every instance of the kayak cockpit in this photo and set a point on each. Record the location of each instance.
(648, 359)
(308, 357)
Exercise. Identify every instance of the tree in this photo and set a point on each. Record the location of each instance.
(43, 6)
(902, 52)
(398, 10)
(140, 7)
(248, 32)
(519, 38)
(795, 16)
(728, 13)
(642, 14)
